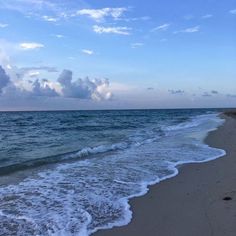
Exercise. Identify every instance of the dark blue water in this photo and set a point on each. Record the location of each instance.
(72, 172)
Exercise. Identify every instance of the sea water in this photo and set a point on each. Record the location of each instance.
(73, 172)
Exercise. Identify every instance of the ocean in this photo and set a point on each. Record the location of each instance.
(73, 172)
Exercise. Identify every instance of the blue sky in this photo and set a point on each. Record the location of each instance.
(117, 54)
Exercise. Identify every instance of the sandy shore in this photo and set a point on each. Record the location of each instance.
(200, 201)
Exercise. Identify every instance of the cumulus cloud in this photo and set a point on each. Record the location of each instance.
(30, 89)
(97, 89)
(179, 91)
(163, 27)
(42, 88)
(4, 79)
(88, 52)
(84, 88)
(30, 45)
(99, 14)
(111, 30)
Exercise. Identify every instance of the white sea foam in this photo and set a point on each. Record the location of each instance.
(100, 149)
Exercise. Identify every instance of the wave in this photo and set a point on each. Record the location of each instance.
(87, 152)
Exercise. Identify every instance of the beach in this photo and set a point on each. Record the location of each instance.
(200, 200)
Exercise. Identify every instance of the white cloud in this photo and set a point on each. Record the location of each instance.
(31, 6)
(207, 16)
(161, 27)
(65, 86)
(8, 66)
(189, 30)
(42, 88)
(4, 79)
(96, 89)
(49, 18)
(5, 59)
(99, 14)
(59, 36)
(88, 52)
(33, 74)
(142, 18)
(192, 30)
(47, 10)
(136, 45)
(111, 30)
(41, 68)
(2, 25)
(233, 11)
(33, 71)
(30, 45)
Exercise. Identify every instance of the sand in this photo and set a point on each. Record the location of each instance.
(199, 201)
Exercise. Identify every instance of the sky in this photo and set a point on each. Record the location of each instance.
(110, 54)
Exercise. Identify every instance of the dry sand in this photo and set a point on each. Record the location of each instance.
(200, 201)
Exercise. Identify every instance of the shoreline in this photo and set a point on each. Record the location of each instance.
(197, 201)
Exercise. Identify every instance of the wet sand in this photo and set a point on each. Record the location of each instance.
(199, 201)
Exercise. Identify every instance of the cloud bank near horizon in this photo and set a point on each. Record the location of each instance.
(65, 86)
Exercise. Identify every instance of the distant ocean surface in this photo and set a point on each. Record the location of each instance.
(73, 172)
